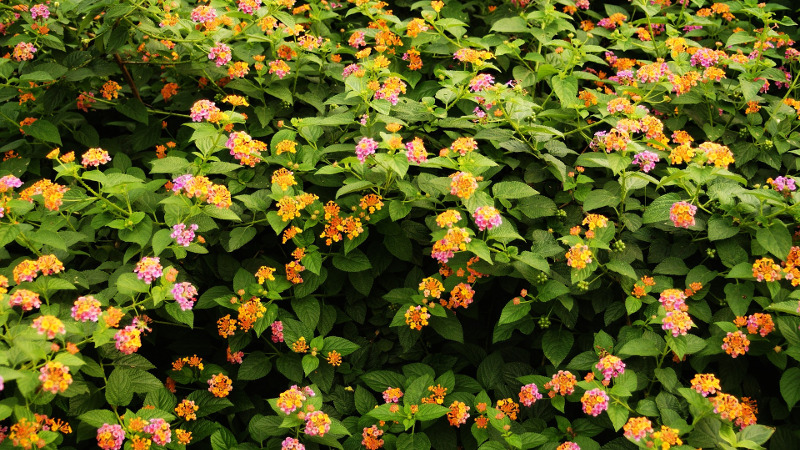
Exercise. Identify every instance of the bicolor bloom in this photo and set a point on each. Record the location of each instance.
(182, 234)
(9, 182)
(765, 269)
(291, 443)
(128, 340)
(187, 409)
(49, 325)
(417, 317)
(277, 331)
(637, 428)
(200, 110)
(55, 377)
(487, 217)
(40, 10)
(568, 446)
(148, 269)
(159, 429)
(371, 438)
(646, 160)
(682, 214)
(203, 13)
(317, 424)
(562, 383)
(678, 322)
(23, 51)
(110, 437)
(220, 385)
(610, 366)
(392, 395)
(415, 151)
(221, 53)
(736, 344)
(279, 68)
(291, 400)
(365, 147)
(458, 414)
(95, 157)
(529, 394)
(481, 82)
(27, 300)
(705, 383)
(184, 293)
(463, 185)
(594, 402)
(579, 256)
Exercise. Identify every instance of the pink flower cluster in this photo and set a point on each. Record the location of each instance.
(610, 366)
(110, 437)
(594, 402)
(529, 394)
(184, 293)
(249, 6)
(646, 160)
(221, 53)
(706, 57)
(159, 428)
(487, 217)
(682, 214)
(9, 182)
(203, 109)
(203, 13)
(148, 269)
(277, 331)
(291, 443)
(481, 82)
(40, 10)
(182, 234)
(86, 308)
(128, 339)
(365, 147)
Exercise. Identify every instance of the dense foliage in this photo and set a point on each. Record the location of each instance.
(533, 224)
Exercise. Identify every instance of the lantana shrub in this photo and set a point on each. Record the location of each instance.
(484, 225)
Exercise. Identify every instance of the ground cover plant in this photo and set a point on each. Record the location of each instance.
(407, 225)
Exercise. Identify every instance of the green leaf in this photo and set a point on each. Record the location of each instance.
(775, 239)
(310, 363)
(255, 366)
(355, 261)
(341, 345)
(134, 109)
(448, 328)
(307, 310)
(129, 284)
(513, 312)
(566, 90)
(556, 345)
(380, 380)
(622, 268)
(170, 164)
(263, 427)
(600, 198)
(364, 401)
(639, 347)
(511, 25)
(98, 417)
(353, 187)
(119, 389)
(790, 386)
(513, 190)
(43, 130)
(721, 228)
(430, 411)
(223, 439)
(658, 211)
(207, 403)
(618, 415)
(240, 237)
(758, 434)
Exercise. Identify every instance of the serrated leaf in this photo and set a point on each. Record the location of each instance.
(556, 345)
